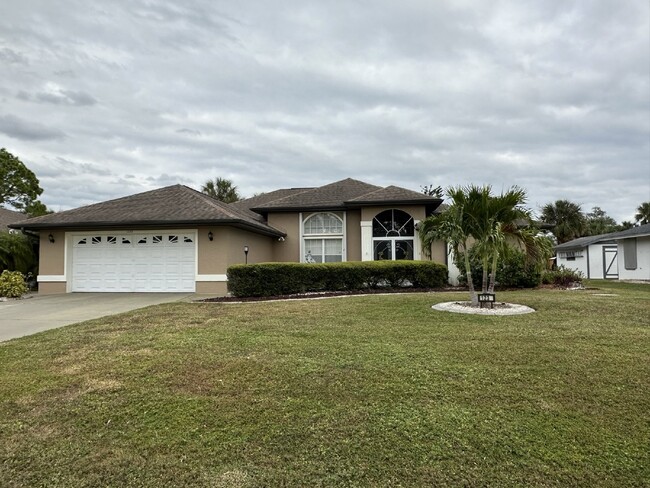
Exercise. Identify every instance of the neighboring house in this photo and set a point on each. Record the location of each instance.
(634, 253)
(176, 239)
(594, 256)
(621, 255)
(9, 217)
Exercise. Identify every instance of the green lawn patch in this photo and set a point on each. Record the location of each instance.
(356, 391)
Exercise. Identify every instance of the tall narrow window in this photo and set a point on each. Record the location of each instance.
(323, 238)
(629, 253)
(393, 234)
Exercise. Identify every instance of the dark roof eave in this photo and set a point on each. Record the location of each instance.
(382, 203)
(242, 224)
(302, 208)
(567, 246)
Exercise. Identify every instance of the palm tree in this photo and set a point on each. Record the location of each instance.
(222, 189)
(454, 226)
(504, 220)
(567, 219)
(16, 253)
(642, 216)
(499, 222)
(486, 223)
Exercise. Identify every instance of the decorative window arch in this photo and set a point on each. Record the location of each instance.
(393, 235)
(322, 238)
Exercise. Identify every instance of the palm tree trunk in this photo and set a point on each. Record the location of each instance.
(470, 283)
(493, 275)
(484, 285)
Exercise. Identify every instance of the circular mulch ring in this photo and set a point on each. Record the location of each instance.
(499, 308)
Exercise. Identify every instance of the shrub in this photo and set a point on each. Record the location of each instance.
(562, 276)
(512, 270)
(269, 279)
(12, 284)
(18, 252)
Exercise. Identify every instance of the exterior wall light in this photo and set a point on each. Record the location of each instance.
(246, 254)
(51, 238)
(210, 236)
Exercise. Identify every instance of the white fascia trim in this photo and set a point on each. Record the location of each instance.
(211, 277)
(344, 253)
(51, 278)
(301, 237)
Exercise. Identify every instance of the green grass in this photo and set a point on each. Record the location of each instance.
(364, 391)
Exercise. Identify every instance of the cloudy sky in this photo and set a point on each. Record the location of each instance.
(105, 99)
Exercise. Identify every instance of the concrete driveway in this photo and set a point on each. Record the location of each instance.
(42, 312)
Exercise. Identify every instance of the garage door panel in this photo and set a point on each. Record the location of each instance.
(156, 261)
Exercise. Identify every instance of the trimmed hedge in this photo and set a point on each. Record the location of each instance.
(270, 279)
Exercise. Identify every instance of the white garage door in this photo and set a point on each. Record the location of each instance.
(143, 262)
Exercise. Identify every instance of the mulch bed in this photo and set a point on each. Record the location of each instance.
(373, 291)
(327, 294)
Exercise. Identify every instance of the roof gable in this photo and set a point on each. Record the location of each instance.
(9, 217)
(172, 205)
(582, 242)
(345, 193)
(333, 195)
(246, 204)
(393, 194)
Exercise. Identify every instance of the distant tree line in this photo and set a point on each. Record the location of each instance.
(570, 222)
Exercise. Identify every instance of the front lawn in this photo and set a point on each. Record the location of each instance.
(356, 391)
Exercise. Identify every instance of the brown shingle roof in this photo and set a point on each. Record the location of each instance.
(263, 199)
(9, 217)
(393, 194)
(346, 193)
(172, 205)
(329, 196)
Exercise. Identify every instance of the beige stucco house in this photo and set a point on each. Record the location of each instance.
(176, 239)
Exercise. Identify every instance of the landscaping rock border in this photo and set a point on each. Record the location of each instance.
(499, 308)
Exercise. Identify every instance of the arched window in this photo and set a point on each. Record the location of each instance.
(393, 233)
(323, 238)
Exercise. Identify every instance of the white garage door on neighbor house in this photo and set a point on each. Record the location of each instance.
(161, 261)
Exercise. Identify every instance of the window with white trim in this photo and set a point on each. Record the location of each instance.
(393, 235)
(570, 255)
(322, 238)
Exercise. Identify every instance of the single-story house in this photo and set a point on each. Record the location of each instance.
(594, 256)
(621, 255)
(8, 217)
(634, 253)
(176, 239)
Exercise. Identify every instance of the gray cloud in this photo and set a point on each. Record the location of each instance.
(552, 96)
(27, 130)
(12, 57)
(59, 97)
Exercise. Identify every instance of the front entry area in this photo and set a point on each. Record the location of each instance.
(610, 262)
(156, 261)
